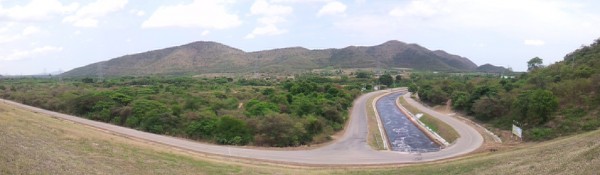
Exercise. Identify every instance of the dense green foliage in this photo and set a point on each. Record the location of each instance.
(550, 101)
(386, 79)
(261, 112)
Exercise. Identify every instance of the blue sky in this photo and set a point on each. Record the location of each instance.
(39, 36)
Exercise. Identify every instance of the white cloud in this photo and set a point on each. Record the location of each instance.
(30, 30)
(137, 12)
(15, 36)
(88, 15)
(270, 16)
(6, 27)
(262, 7)
(268, 30)
(419, 9)
(534, 42)
(514, 20)
(20, 54)
(205, 32)
(208, 14)
(37, 10)
(9, 38)
(299, 1)
(512, 15)
(360, 1)
(332, 8)
(366, 24)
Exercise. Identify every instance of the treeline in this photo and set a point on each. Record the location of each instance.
(551, 101)
(260, 112)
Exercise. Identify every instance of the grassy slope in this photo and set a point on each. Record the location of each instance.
(37, 144)
(374, 136)
(444, 130)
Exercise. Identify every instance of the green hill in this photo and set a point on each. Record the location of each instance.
(212, 57)
(549, 101)
(488, 68)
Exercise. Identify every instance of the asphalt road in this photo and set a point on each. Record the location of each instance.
(350, 149)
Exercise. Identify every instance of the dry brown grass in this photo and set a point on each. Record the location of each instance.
(31, 143)
(374, 136)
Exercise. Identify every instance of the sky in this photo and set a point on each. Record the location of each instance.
(48, 36)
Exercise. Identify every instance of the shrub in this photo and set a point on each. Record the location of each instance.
(538, 134)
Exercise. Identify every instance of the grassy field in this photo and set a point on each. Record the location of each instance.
(443, 129)
(37, 144)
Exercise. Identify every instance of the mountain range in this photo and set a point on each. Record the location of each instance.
(212, 57)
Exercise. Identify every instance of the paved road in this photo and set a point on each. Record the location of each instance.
(350, 149)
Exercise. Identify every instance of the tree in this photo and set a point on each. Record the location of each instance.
(487, 108)
(534, 64)
(259, 108)
(413, 88)
(87, 80)
(303, 105)
(480, 91)
(203, 127)
(363, 74)
(278, 130)
(460, 100)
(152, 116)
(232, 131)
(536, 107)
(398, 78)
(386, 79)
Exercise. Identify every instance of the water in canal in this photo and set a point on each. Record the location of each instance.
(404, 136)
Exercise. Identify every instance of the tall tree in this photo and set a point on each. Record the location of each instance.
(534, 63)
(386, 79)
(536, 107)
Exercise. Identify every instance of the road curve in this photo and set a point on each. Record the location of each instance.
(350, 149)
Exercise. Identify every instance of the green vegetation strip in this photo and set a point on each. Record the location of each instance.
(438, 126)
(275, 113)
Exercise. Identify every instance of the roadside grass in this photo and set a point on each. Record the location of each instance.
(374, 136)
(33, 143)
(444, 130)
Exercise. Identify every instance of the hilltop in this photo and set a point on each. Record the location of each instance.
(212, 57)
(488, 68)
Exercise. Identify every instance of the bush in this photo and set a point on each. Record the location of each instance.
(539, 134)
(591, 125)
(232, 131)
(487, 108)
(278, 130)
(536, 107)
(202, 128)
(260, 108)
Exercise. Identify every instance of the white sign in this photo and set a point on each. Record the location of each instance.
(419, 115)
(517, 131)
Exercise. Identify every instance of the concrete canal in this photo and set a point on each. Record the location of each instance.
(402, 134)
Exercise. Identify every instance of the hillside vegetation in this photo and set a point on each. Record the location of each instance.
(211, 57)
(259, 112)
(547, 101)
(34, 143)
